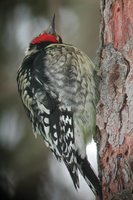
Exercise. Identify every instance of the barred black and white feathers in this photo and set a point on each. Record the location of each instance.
(57, 85)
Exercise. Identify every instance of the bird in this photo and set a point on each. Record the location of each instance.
(58, 86)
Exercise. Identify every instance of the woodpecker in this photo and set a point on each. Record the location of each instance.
(57, 84)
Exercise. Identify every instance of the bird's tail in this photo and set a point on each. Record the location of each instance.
(90, 176)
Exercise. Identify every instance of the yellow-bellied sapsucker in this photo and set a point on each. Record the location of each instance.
(57, 85)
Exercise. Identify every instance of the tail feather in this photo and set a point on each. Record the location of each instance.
(90, 176)
(72, 168)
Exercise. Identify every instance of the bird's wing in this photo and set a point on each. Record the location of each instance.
(55, 118)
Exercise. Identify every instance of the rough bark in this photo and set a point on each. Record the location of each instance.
(115, 108)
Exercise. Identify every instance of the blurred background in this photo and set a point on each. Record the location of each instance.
(27, 169)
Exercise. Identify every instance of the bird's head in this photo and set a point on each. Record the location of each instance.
(48, 36)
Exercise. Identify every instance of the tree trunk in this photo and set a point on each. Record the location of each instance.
(115, 108)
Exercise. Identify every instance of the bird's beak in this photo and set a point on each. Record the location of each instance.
(51, 28)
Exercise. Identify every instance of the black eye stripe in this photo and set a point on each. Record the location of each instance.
(59, 39)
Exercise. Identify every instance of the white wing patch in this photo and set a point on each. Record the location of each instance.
(68, 143)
